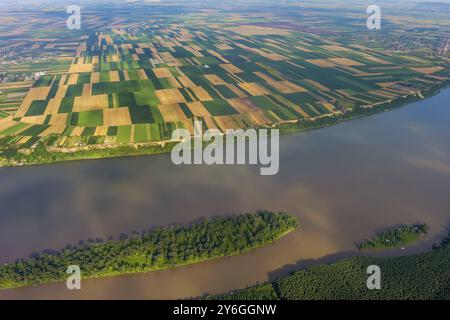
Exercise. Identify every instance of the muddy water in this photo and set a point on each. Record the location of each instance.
(344, 183)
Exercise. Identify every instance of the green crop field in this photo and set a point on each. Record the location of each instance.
(231, 70)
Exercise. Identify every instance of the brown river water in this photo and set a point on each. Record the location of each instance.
(343, 183)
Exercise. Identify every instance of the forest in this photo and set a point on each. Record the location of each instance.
(157, 249)
(416, 277)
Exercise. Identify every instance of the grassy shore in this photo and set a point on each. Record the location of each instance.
(14, 156)
(157, 249)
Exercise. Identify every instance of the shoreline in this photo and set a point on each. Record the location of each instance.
(164, 147)
(281, 223)
(295, 281)
(326, 261)
(270, 290)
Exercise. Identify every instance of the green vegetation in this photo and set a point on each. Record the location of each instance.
(12, 154)
(89, 118)
(265, 291)
(356, 112)
(135, 86)
(157, 249)
(420, 276)
(395, 237)
(41, 155)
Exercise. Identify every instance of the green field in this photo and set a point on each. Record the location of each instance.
(137, 83)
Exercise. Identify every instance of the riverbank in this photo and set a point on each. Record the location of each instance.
(361, 112)
(374, 173)
(40, 155)
(424, 276)
(157, 249)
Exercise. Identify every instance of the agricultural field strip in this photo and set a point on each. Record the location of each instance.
(138, 85)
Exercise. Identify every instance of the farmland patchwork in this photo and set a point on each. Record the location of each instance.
(138, 85)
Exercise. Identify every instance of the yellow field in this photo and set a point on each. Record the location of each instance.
(198, 109)
(286, 87)
(429, 70)
(169, 96)
(345, 62)
(58, 119)
(86, 103)
(249, 30)
(323, 63)
(201, 94)
(254, 89)
(243, 105)
(162, 73)
(39, 93)
(185, 81)
(172, 112)
(214, 79)
(230, 68)
(116, 117)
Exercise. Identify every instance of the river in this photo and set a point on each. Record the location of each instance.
(343, 182)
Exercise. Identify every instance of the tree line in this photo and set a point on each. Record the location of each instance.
(157, 249)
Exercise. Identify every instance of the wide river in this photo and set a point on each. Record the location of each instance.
(343, 182)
